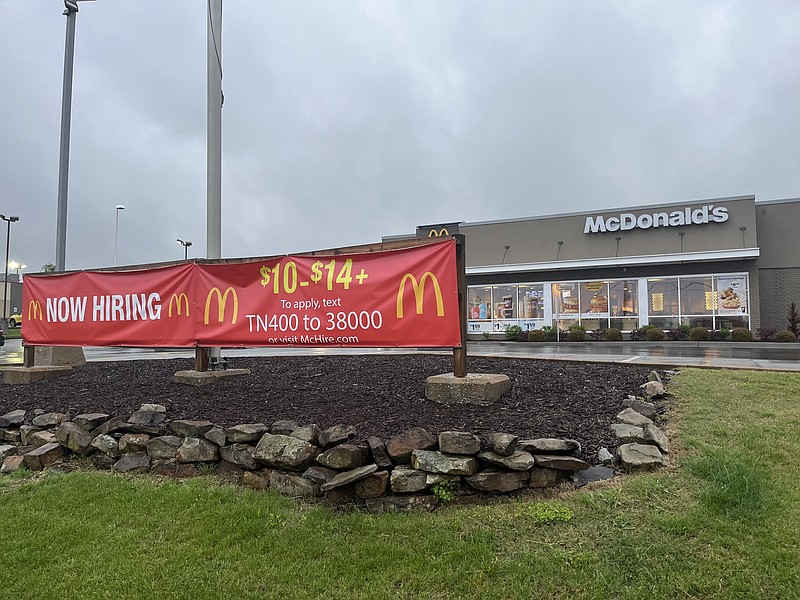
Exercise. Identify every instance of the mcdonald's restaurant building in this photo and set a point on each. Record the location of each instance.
(719, 263)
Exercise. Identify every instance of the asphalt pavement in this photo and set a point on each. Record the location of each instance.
(728, 355)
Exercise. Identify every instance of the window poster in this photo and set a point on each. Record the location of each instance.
(732, 291)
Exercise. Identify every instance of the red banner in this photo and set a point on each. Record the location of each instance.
(406, 297)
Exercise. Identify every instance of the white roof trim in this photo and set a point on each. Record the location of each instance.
(621, 261)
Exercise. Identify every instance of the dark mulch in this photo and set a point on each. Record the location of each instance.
(378, 395)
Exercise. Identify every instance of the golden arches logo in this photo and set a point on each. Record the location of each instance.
(440, 233)
(178, 299)
(419, 293)
(222, 301)
(35, 310)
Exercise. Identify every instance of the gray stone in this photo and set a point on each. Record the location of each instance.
(7, 450)
(378, 450)
(131, 443)
(176, 470)
(148, 418)
(43, 456)
(290, 484)
(550, 446)
(654, 376)
(74, 437)
(184, 428)
(653, 389)
(258, 480)
(158, 408)
(401, 446)
(51, 419)
(107, 445)
(407, 481)
(217, 436)
(481, 389)
(113, 425)
(103, 462)
(592, 475)
(229, 471)
(372, 486)
(26, 434)
(11, 464)
(343, 457)
(152, 430)
(432, 461)
(639, 456)
(40, 438)
(28, 375)
(434, 478)
(283, 427)
(654, 435)
(335, 435)
(307, 433)
(389, 504)
(498, 481)
(627, 434)
(647, 409)
(561, 462)
(239, 454)
(197, 450)
(165, 446)
(459, 442)
(319, 474)
(245, 433)
(13, 418)
(604, 456)
(348, 477)
(631, 417)
(10, 435)
(285, 452)
(503, 444)
(90, 421)
(542, 477)
(198, 378)
(133, 463)
(518, 461)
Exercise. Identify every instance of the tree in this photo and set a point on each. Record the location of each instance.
(794, 320)
(49, 268)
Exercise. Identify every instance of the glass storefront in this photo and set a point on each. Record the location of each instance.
(711, 301)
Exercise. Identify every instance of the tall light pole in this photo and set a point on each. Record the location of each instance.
(16, 266)
(71, 10)
(185, 244)
(214, 100)
(9, 221)
(117, 208)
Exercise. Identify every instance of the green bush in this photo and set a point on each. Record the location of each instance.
(512, 332)
(576, 335)
(741, 334)
(537, 335)
(699, 334)
(612, 334)
(654, 334)
(785, 336)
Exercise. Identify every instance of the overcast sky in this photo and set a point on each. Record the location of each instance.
(347, 121)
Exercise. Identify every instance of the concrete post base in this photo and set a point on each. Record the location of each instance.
(59, 356)
(16, 375)
(206, 377)
(476, 388)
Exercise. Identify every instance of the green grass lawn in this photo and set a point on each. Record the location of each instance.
(722, 522)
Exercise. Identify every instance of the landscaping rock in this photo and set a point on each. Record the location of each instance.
(10, 435)
(503, 444)
(131, 443)
(542, 477)
(258, 480)
(653, 389)
(518, 461)
(284, 452)
(107, 445)
(343, 457)
(498, 482)
(7, 450)
(432, 461)
(459, 442)
(401, 446)
(561, 462)
(245, 433)
(216, 435)
(289, 484)
(639, 456)
(74, 437)
(43, 456)
(197, 450)
(372, 486)
(133, 463)
(283, 427)
(335, 435)
(40, 438)
(647, 409)
(90, 421)
(165, 446)
(26, 434)
(240, 455)
(592, 475)
(319, 474)
(407, 481)
(11, 464)
(378, 450)
(627, 434)
(158, 408)
(196, 429)
(387, 504)
(631, 417)
(653, 434)
(176, 470)
(113, 425)
(51, 419)
(349, 477)
(15, 418)
(147, 418)
(550, 446)
(604, 456)
(307, 433)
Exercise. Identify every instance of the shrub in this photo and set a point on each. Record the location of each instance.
(699, 334)
(613, 334)
(512, 332)
(677, 334)
(549, 332)
(794, 320)
(537, 335)
(596, 334)
(576, 335)
(719, 336)
(638, 335)
(655, 335)
(785, 336)
(765, 334)
(741, 334)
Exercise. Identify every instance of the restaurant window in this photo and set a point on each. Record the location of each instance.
(623, 304)
(662, 305)
(697, 296)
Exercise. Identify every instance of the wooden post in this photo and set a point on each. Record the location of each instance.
(201, 359)
(28, 353)
(460, 353)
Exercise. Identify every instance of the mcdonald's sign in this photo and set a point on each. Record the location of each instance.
(438, 232)
(178, 299)
(419, 293)
(35, 310)
(222, 301)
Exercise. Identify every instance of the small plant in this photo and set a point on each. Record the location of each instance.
(596, 334)
(794, 320)
(485, 335)
(512, 332)
(275, 520)
(785, 336)
(445, 491)
(699, 334)
(612, 334)
(206, 468)
(537, 335)
(741, 334)
(655, 335)
(576, 335)
(719, 335)
(549, 332)
(765, 334)
(677, 334)
(546, 513)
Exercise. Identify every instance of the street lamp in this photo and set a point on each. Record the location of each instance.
(9, 221)
(71, 10)
(118, 208)
(185, 244)
(16, 266)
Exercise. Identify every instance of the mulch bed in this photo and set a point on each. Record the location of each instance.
(378, 395)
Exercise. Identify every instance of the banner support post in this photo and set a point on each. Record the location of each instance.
(460, 353)
(201, 359)
(28, 353)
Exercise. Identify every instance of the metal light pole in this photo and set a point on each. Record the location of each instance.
(9, 221)
(185, 244)
(118, 208)
(71, 10)
(17, 267)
